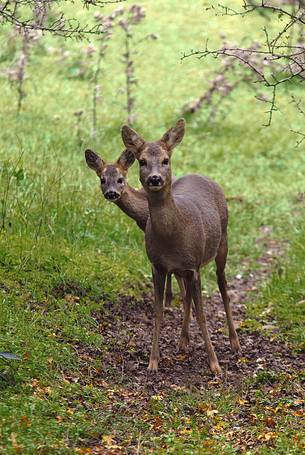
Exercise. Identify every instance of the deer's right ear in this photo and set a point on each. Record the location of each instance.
(94, 161)
(132, 140)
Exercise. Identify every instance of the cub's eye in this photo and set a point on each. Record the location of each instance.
(165, 162)
(103, 180)
(120, 180)
(142, 162)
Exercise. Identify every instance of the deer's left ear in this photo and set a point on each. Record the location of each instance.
(132, 140)
(174, 135)
(126, 159)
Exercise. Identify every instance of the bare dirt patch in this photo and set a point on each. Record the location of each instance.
(127, 329)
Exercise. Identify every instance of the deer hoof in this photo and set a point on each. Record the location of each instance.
(183, 344)
(215, 368)
(235, 346)
(153, 365)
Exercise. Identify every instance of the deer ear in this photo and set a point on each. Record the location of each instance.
(132, 140)
(94, 161)
(126, 159)
(174, 135)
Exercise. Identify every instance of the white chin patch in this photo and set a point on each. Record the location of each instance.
(154, 188)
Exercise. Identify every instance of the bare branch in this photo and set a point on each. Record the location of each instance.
(61, 25)
(278, 61)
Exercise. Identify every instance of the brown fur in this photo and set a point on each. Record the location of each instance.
(131, 201)
(186, 229)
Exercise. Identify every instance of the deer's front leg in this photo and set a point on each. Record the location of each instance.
(195, 284)
(159, 283)
(168, 291)
(187, 301)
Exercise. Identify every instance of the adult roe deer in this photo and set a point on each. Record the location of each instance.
(115, 188)
(186, 229)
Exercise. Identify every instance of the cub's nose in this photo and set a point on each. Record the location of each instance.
(154, 180)
(112, 195)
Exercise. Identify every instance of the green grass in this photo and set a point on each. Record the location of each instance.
(59, 231)
(283, 297)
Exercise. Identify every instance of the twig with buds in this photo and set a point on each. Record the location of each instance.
(107, 23)
(134, 15)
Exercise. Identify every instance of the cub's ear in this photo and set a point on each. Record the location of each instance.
(174, 135)
(94, 161)
(132, 140)
(126, 159)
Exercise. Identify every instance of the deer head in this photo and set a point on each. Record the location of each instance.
(154, 157)
(112, 176)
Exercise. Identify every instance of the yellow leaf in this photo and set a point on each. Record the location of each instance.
(267, 436)
(185, 431)
(109, 442)
(181, 357)
(243, 360)
(211, 412)
(157, 397)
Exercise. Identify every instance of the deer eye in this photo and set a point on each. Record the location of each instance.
(103, 180)
(120, 180)
(165, 162)
(142, 162)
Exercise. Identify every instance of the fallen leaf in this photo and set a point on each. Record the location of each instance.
(253, 417)
(83, 450)
(270, 422)
(157, 397)
(299, 413)
(158, 423)
(70, 298)
(267, 436)
(181, 357)
(242, 402)
(211, 412)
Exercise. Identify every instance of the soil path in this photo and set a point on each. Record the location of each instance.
(127, 329)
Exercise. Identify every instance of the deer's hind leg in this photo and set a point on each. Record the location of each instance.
(221, 260)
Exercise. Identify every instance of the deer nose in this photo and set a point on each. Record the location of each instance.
(112, 195)
(154, 180)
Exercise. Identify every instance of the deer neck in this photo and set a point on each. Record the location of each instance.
(134, 204)
(164, 214)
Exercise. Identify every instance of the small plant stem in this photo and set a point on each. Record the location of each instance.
(95, 94)
(129, 101)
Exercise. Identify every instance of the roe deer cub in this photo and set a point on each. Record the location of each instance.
(186, 229)
(115, 188)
